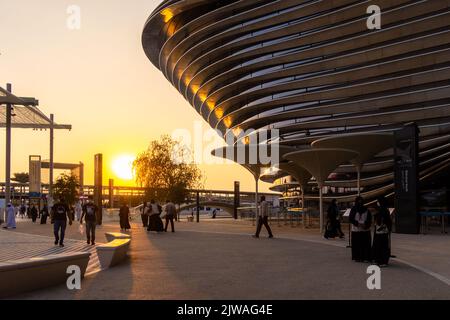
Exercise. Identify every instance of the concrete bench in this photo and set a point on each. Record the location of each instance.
(111, 236)
(24, 275)
(113, 252)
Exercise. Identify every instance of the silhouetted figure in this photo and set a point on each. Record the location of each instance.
(381, 250)
(144, 215)
(263, 218)
(360, 219)
(22, 211)
(34, 213)
(333, 223)
(124, 215)
(60, 214)
(44, 214)
(171, 212)
(90, 214)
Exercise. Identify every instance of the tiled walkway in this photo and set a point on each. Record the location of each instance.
(16, 245)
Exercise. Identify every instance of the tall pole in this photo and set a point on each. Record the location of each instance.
(303, 208)
(358, 170)
(256, 199)
(321, 207)
(198, 206)
(50, 188)
(8, 149)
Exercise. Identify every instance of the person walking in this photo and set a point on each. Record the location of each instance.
(381, 251)
(44, 214)
(60, 214)
(333, 224)
(171, 212)
(263, 218)
(361, 220)
(10, 217)
(22, 211)
(124, 215)
(78, 210)
(34, 213)
(90, 214)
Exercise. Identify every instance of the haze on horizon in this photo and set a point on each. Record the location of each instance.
(99, 80)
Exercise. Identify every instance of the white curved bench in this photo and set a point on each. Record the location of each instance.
(24, 275)
(110, 236)
(113, 252)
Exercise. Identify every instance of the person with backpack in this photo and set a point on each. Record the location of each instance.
(60, 214)
(90, 214)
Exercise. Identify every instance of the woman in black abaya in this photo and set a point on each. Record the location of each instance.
(361, 220)
(381, 251)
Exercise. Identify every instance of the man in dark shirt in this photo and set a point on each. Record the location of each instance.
(90, 212)
(60, 213)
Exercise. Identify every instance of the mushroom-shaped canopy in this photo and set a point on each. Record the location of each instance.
(321, 162)
(299, 173)
(367, 145)
(254, 157)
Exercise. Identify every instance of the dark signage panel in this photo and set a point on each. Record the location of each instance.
(236, 199)
(406, 177)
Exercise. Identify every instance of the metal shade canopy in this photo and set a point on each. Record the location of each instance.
(367, 145)
(248, 155)
(302, 175)
(321, 163)
(271, 177)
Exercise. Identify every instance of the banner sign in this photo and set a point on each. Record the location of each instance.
(35, 176)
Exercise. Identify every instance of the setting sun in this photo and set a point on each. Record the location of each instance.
(122, 166)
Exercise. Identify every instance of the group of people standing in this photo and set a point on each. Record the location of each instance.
(151, 216)
(361, 220)
(362, 225)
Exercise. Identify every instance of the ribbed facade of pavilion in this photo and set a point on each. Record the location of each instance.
(313, 69)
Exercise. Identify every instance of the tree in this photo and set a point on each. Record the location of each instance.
(66, 187)
(21, 177)
(166, 169)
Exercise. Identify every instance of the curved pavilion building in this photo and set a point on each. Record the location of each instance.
(313, 69)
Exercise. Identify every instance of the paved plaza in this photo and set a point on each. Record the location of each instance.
(219, 260)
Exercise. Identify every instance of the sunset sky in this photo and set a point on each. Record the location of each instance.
(98, 79)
